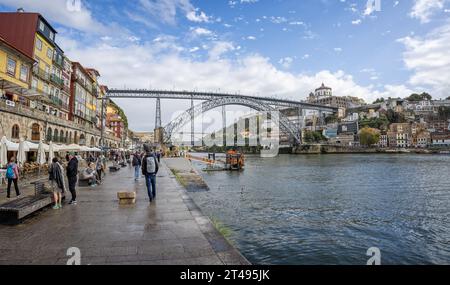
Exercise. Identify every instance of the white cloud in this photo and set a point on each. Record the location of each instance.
(161, 64)
(201, 32)
(357, 22)
(198, 17)
(59, 11)
(424, 9)
(219, 48)
(286, 62)
(429, 58)
(166, 10)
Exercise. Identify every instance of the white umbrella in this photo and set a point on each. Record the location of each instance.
(21, 156)
(3, 152)
(41, 159)
(51, 152)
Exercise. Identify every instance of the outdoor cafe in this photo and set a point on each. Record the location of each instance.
(33, 159)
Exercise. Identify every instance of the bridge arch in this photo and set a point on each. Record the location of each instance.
(285, 124)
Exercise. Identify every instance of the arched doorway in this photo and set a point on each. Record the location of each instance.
(82, 139)
(35, 132)
(56, 136)
(15, 132)
(92, 142)
(49, 134)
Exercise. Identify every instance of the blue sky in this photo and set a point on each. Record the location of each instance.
(282, 48)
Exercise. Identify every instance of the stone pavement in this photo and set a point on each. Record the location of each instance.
(170, 231)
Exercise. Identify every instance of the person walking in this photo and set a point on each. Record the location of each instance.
(12, 174)
(56, 178)
(99, 168)
(136, 163)
(150, 168)
(158, 155)
(72, 176)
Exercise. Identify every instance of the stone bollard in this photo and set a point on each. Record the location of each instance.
(126, 198)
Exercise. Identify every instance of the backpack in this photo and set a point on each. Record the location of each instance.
(10, 171)
(151, 164)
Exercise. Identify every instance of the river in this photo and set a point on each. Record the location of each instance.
(330, 209)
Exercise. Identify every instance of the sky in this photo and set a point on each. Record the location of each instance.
(281, 48)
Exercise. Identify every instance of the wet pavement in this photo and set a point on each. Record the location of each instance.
(170, 231)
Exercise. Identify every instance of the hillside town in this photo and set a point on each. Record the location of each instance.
(415, 121)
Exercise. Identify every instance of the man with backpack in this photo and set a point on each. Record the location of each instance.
(149, 170)
(136, 163)
(12, 174)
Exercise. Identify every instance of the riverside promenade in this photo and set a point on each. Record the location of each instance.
(170, 231)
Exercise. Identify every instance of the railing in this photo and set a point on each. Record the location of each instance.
(66, 89)
(41, 73)
(58, 81)
(26, 111)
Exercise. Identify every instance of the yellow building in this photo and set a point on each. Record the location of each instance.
(15, 69)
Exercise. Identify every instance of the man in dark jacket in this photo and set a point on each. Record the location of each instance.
(72, 177)
(150, 168)
(136, 163)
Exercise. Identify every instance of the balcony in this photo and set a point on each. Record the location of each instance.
(56, 80)
(42, 74)
(39, 115)
(66, 89)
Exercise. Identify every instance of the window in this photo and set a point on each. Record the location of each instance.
(55, 136)
(34, 83)
(49, 134)
(52, 36)
(35, 132)
(50, 53)
(11, 69)
(15, 132)
(24, 73)
(41, 26)
(38, 44)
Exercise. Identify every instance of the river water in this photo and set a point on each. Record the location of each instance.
(330, 209)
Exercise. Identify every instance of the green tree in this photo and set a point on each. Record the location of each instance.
(369, 136)
(381, 123)
(394, 117)
(331, 119)
(444, 113)
(379, 100)
(313, 137)
(419, 97)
